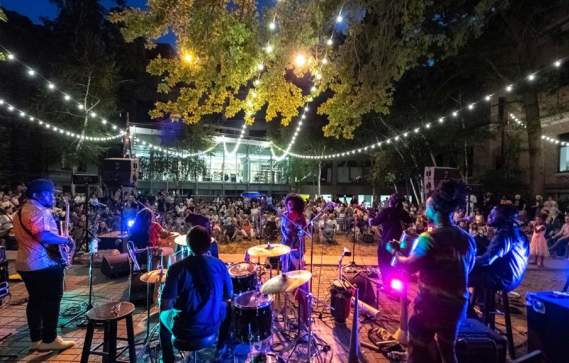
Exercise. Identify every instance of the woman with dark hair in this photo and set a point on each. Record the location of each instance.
(146, 232)
(195, 294)
(293, 223)
(443, 258)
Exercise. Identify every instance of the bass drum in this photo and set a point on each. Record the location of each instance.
(244, 277)
(252, 314)
(264, 358)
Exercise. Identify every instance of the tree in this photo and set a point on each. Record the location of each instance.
(221, 45)
(522, 38)
(3, 18)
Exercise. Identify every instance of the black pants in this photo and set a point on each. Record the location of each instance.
(433, 328)
(45, 290)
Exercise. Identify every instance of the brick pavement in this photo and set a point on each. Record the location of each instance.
(14, 339)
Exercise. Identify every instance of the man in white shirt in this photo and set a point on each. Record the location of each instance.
(35, 230)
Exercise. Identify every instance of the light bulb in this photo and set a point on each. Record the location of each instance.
(339, 18)
(329, 42)
(272, 25)
(300, 60)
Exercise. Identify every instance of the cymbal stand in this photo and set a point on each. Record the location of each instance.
(150, 332)
(309, 337)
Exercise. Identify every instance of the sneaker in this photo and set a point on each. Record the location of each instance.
(35, 345)
(57, 344)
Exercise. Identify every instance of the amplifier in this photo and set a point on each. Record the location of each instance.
(548, 319)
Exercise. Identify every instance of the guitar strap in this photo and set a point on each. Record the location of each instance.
(26, 229)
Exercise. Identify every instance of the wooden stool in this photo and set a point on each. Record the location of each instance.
(489, 316)
(109, 314)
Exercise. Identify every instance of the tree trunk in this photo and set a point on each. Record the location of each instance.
(531, 108)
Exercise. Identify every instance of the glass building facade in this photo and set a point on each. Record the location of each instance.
(252, 163)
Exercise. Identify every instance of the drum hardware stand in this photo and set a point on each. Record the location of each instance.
(93, 247)
(309, 338)
(150, 332)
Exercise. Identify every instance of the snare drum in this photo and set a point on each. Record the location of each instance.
(244, 277)
(252, 314)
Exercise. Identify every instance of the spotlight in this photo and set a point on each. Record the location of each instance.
(130, 223)
(397, 285)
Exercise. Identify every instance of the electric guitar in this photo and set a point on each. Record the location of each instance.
(63, 253)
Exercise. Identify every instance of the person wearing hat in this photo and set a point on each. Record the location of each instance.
(504, 263)
(35, 229)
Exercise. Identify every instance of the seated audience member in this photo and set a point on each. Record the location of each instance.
(503, 265)
(561, 238)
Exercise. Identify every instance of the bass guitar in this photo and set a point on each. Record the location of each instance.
(63, 253)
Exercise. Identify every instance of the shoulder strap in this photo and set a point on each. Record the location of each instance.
(22, 223)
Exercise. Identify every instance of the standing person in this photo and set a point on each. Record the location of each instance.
(538, 245)
(443, 258)
(293, 224)
(392, 220)
(35, 230)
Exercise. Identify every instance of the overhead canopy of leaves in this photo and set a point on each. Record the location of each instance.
(227, 40)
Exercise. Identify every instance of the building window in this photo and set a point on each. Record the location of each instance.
(564, 154)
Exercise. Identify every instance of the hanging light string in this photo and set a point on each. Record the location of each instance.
(51, 86)
(179, 154)
(531, 77)
(314, 90)
(25, 116)
(551, 140)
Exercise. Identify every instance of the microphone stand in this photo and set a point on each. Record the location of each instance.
(93, 248)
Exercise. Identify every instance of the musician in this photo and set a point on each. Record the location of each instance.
(35, 229)
(293, 224)
(392, 220)
(194, 219)
(293, 227)
(503, 265)
(193, 303)
(146, 231)
(444, 259)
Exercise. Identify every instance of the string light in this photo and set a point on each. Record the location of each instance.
(24, 115)
(50, 84)
(417, 130)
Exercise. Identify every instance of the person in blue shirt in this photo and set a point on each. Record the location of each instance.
(444, 258)
(195, 294)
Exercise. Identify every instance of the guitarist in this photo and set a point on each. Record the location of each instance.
(36, 231)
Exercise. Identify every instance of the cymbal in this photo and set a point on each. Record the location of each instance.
(286, 282)
(181, 240)
(153, 276)
(269, 250)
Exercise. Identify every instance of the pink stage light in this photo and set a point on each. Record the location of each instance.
(397, 285)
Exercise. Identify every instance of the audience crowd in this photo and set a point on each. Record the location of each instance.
(242, 219)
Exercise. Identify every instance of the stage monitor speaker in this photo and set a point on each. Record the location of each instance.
(83, 179)
(115, 266)
(120, 172)
(548, 319)
(138, 290)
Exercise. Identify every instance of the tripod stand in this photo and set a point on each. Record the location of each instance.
(312, 341)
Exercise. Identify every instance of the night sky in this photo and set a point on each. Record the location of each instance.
(36, 9)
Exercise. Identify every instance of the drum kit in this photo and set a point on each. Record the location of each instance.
(253, 319)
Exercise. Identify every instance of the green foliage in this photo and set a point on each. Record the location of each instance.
(3, 18)
(227, 39)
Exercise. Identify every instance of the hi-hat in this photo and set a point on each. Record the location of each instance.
(269, 250)
(286, 282)
(181, 240)
(153, 276)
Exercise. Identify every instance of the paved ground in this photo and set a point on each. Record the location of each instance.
(14, 339)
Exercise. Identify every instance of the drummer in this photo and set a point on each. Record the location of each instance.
(195, 295)
(293, 224)
(194, 219)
